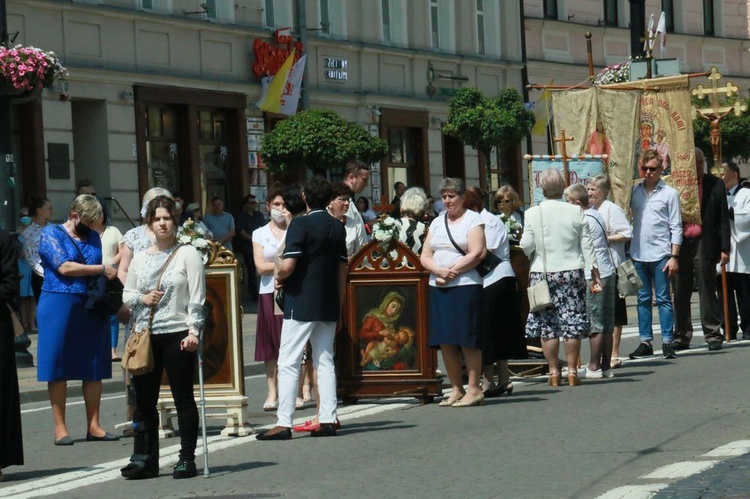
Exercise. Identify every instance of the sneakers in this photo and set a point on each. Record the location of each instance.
(586, 373)
(644, 350)
(184, 469)
(608, 373)
(668, 352)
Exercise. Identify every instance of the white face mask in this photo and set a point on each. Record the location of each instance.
(178, 206)
(277, 215)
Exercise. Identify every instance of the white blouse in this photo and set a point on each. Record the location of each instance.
(445, 254)
(497, 242)
(184, 285)
(270, 244)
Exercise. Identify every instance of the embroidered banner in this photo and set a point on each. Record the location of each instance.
(580, 170)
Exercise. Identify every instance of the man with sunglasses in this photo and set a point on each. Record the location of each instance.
(655, 249)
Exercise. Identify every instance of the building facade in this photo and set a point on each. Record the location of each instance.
(701, 34)
(163, 92)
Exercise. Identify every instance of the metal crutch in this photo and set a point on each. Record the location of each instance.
(206, 472)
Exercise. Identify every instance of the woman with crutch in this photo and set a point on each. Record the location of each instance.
(166, 291)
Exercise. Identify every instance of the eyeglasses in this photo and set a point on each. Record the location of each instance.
(344, 200)
(649, 168)
(504, 201)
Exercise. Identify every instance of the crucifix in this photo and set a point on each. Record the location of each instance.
(716, 112)
(564, 151)
(383, 208)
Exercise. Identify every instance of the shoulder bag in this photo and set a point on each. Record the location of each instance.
(628, 280)
(540, 297)
(488, 263)
(138, 357)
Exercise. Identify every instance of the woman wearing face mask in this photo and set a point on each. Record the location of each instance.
(74, 343)
(266, 241)
(40, 210)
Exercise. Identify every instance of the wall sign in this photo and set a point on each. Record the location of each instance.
(336, 69)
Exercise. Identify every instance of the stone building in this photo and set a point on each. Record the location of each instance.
(162, 92)
(701, 34)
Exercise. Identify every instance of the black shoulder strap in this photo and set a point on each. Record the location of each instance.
(62, 229)
(451, 237)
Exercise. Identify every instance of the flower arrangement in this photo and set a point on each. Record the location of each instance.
(195, 235)
(515, 231)
(613, 74)
(27, 68)
(385, 230)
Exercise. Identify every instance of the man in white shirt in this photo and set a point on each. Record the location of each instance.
(655, 248)
(356, 176)
(738, 276)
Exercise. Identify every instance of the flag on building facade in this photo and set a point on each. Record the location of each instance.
(274, 86)
(540, 108)
(293, 88)
(662, 28)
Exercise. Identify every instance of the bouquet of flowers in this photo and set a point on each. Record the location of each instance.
(194, 235)
(27, 68)
(515, 231)
(613, 74)
(385, 230)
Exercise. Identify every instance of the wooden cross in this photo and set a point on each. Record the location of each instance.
(383, 208)
(716, 112)
(564, 151)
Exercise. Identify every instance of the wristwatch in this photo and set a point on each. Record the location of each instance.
(675, 256)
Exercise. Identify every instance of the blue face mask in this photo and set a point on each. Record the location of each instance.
(24, 220)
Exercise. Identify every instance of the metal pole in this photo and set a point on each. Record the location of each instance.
(302, 26)
(7, 168)
(202, 392)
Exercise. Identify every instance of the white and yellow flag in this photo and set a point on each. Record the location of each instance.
(281, 92)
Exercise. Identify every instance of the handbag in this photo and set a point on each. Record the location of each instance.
(539, 294)
(628, 280)
(488, 263)
(138, 357)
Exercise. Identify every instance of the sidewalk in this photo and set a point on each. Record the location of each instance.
(35, 391)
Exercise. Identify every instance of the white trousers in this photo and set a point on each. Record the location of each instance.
(294, 338)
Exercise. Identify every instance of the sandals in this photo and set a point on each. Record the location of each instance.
(615, 363)
(554, 379)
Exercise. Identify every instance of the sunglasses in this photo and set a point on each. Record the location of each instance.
(649, 168)
(505, 201)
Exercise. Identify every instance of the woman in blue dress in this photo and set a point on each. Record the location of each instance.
(74, 344)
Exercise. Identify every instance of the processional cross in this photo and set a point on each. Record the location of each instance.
(383, 208)
(716, 112)
(564, 151)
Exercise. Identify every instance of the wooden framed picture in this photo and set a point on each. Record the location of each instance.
(382, 351)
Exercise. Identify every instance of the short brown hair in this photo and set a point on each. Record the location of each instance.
(650, 154)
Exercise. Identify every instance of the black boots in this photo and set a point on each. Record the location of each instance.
(144, 463)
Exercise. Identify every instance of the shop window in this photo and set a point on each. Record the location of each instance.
(213, 152)
(402, 160)
(162, 147)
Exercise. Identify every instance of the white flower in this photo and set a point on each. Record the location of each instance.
(200, 243)
(199, 230)
(389, 221)
(185, 239)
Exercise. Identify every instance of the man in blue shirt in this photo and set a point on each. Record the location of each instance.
(655, 248)
(313, 275)
(220, 223)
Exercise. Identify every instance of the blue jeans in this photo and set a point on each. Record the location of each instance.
(654, 278)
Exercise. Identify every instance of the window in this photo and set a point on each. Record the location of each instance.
(667, 6)
(276, 13)
(146, 4)
(269, 14)
(213, 152)
(217, 11)
(325, 18)
(550, 9)
(434, 24)
(610, 12)
(156, 6)
(162, 147)
(401, 160)
(708, 18)
(385, 7)
(480, 27)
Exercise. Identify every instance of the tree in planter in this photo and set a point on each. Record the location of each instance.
(487, 122)
(317, 139)
(734, 132)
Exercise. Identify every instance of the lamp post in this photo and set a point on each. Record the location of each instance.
(7, 173)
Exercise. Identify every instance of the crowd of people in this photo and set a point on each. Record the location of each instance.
(575, 239)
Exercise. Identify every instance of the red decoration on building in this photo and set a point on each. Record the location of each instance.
(269, 56)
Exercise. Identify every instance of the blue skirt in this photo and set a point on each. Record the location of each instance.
(73, 344)
(456, 316)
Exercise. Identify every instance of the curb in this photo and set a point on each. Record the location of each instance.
(112, 386)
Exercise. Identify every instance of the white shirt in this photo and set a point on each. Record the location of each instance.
(657, 222)
(445, 254)
(601, 245)
(616, 223)
(271, 245)
(111, 240)
(497, 242)
(739, 258)
(356, 236)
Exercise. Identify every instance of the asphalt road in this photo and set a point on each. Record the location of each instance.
(567, 442)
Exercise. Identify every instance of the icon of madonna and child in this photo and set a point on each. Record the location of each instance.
(387, 338)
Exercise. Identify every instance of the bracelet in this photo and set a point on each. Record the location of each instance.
(104, 270)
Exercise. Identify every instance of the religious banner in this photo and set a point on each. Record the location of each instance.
(602, 122)
(580, 169)
(665, 124)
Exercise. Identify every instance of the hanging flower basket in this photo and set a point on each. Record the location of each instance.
(28, 69)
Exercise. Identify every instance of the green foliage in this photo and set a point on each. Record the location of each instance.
(484, 122)
(316, 139)
(735, 131)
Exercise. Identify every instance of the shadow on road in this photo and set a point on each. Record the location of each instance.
(350, 429)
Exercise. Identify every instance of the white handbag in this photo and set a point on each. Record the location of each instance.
(539, 295)
(628, 280)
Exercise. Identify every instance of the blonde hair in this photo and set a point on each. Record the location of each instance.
(552, 183)
(509, 192)
(577, 192)
(86, 205)
(152, 194)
